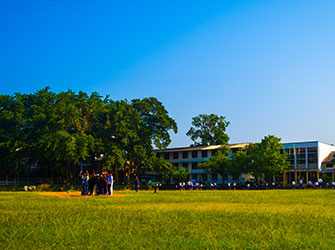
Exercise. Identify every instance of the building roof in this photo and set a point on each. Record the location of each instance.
(211, 147)
(329, 158)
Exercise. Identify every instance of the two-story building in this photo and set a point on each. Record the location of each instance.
(191, 157)
(309, 161)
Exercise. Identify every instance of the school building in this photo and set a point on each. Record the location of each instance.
(309, 161)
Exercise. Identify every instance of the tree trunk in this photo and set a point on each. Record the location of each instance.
(116, 180)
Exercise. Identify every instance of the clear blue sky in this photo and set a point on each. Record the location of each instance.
(269, 66)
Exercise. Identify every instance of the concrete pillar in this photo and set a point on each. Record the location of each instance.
(306, 176)
(317, 175)
(296, 177)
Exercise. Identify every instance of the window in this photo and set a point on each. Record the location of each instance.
(329, 165)
(194, 154)
(185, 165)
(204, 153)
(185, 154)
(175, 155)
(175, 164)
(194, 165)
(167, 156)
(301, 156)
(312, 154)
(214, 151)
(234, 150)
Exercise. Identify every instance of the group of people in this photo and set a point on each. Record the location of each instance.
(194, 185)
(96, 184)
(102, 184)
(316, 184)
(191, 185)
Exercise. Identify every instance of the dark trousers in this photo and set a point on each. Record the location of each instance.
(84, 190)
(91, 189)
(109, 189)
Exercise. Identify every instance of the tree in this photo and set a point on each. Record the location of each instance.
(266, 157)
(219, 163)
(60, 130)
(181, 174)
(257, 159)
(208, 130)
(240, 163)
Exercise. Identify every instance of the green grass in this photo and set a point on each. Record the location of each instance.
(279, 219)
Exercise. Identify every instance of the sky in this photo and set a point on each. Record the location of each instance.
(267, 66)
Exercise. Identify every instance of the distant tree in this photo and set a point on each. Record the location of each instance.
(266, 157)
(220, 163)
(208, 130)
(161, 166)
(257, 159)
(181, 175)
(240, 163)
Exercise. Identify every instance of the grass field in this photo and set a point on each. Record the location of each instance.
(279, 219)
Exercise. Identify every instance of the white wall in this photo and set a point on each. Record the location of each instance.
(323, 151)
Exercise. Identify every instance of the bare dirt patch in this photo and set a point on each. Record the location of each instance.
(74, 194)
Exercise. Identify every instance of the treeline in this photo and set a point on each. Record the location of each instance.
(258, 159)
(60, 131)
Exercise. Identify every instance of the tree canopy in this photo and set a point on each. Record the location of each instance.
(58, 131)
(265, 157)
(208, 130)
(220, 163)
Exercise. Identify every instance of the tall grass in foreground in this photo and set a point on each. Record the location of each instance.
(279, 219)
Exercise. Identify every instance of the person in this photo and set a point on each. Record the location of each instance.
(309, 184)
(180, 186)
(320, 182)
(248, 185)
(98, 188)
(110, 183)
(333, 184)
(300, 183)
(293, 184)
(91, 184)
(137, 184)
(84, 183)
(104, 183)
(190, 184)
(316, 184)
(273, 185)
(156, 187)
(234, 185)
(229, 186)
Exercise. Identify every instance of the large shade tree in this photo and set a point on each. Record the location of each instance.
(208, 130)
(58, 131)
